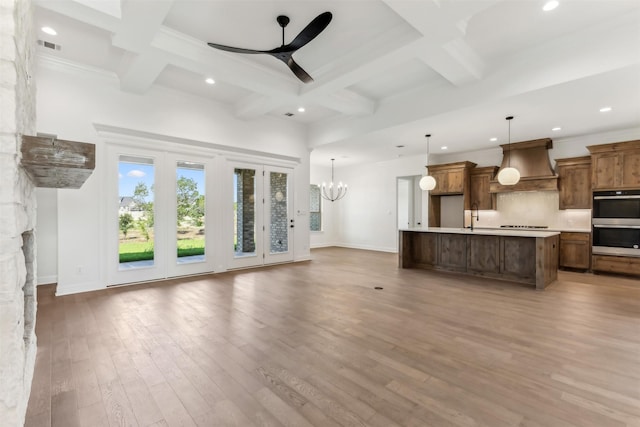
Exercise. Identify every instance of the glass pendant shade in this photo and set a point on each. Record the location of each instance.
(509, 176)
(427, 183)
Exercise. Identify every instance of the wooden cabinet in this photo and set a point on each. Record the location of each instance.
(615, 166)
(616, 264)
(451, 179)
(480, 179)
(575, 250)
(453, 251)
(574, 182)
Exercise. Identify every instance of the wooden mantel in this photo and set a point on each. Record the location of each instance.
(55, 163)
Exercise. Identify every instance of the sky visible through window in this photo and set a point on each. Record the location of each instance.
(130, 174)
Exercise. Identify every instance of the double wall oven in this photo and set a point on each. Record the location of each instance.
(616, 222)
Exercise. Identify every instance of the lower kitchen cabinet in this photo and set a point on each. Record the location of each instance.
(616, 264)
(575, 250)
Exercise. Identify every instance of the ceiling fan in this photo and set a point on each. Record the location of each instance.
(284, 53)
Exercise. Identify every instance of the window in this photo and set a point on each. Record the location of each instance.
(315, 209)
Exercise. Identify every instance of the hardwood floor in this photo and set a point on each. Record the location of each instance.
(314, 344)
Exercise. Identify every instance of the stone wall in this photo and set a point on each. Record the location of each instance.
(279, 242)
(17, 212)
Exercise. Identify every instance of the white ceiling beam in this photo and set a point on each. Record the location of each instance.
(142, 72)
(443, 25)
(193, 54)
(82, 13)
(141, 20)
(347, 102)
(256, 105)
(543, 66)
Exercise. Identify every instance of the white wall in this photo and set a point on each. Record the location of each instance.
(367, 217)
(47, 227)
(71, 101)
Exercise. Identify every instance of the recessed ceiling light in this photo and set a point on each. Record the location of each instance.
(493, 139)
(550, 5)
(210, 81)
(556, 129)
(605, 109)
(300, 109)
(444, 147)
(49, 31)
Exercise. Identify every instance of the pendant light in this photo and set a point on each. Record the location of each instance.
(427, 182)
(334, 192)
(509, 175)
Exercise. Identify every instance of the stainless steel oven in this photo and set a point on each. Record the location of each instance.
(616, 207)
(616, 223)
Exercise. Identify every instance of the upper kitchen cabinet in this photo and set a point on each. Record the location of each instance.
(574, 182)
(615, 166)
(451, 178)
(480, 179)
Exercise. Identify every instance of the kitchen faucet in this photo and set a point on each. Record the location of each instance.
(477, 216)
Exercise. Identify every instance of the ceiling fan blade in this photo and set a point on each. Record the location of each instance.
(235, 49)
(311, 31)
(299, 72)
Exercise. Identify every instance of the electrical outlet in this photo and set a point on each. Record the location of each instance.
(79, 269)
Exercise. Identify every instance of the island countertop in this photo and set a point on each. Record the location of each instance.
(525, 256)
(485, 231)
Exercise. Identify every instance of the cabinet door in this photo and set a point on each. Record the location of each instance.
(455, 181)
(575, 187)
(631, 170)
(480, 192)
(453, 251)
(605, 170)
(575, 250)
(441, 183)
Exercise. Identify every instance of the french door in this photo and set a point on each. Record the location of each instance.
(159, 227)
(262, 215)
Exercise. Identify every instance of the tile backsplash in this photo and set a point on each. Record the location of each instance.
(533, 208)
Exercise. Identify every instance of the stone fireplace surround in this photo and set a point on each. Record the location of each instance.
(17, 212)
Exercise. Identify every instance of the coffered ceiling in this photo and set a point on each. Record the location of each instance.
(386, 71)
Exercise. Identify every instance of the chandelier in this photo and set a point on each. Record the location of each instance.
(333, 192)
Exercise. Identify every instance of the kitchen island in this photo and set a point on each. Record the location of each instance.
(515, 255)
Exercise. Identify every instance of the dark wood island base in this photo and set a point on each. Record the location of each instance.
(518, 256)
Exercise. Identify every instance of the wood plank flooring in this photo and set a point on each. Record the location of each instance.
(314, 344)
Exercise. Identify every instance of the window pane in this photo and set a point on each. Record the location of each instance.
(244, 211)
(190, 212)
(135, 212)
(279, 241)
(315, 217)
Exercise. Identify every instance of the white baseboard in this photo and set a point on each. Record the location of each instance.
(47, 280)
(76, 288)
(364, 247)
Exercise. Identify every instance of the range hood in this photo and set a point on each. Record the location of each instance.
(531, 158)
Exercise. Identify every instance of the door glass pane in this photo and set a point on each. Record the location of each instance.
(279, 226)
(244, 212)
(135, 212)
(190, 212)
